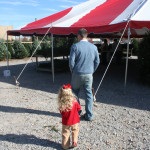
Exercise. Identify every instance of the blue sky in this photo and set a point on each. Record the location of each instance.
(21, 12)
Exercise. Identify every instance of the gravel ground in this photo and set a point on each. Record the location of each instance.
(30, 120)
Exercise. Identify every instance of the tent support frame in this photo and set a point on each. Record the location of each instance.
(7, 54)
(7, 72)
(126, 69)
(52, 57)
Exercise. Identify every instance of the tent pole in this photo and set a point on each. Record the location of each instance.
(52, 57)
(126, 70)
(7, 53)
(7, 72)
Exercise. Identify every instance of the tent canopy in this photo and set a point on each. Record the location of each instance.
(100, 17)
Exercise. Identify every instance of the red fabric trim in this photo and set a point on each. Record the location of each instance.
(96, 30)
(47, 20)
(74, 30)
(103, 14)
(140, 24)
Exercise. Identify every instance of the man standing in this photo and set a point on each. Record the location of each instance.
(83, 62)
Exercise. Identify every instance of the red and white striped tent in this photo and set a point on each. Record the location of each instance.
(97, 16)
(100, 17)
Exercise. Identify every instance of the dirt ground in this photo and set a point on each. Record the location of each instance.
(30, 120)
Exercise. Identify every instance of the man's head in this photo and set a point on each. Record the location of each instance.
(82, 33)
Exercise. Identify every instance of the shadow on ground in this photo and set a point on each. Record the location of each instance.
(135, 95)
(29, 139)
(33, 79)
(9, 109)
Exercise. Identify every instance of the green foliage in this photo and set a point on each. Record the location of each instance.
(11, 50)
(20, 50)
(46, 48)
(35, 44)
(59, 42)
(71, 41)
(61, 46)
(47, 38)
(135, 46)
(3, 51)
(144, 57)
(28, 47)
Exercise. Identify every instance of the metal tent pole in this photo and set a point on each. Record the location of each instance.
(126, 70)
(7, 53)
(7, 72)
(52, 57)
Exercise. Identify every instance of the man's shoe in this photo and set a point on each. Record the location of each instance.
(86, 118)
(81, 114)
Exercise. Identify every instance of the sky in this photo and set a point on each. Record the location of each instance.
(21, 12)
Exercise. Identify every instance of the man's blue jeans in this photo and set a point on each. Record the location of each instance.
(85, 81)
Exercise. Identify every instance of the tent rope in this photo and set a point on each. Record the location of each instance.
(16, 79)
(116, 49)
(111, 60)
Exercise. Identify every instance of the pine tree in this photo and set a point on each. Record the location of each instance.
(3, 51)
(20, 50)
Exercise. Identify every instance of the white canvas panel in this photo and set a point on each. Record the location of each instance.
(131, 9)
(77, 13)
(144, 13)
